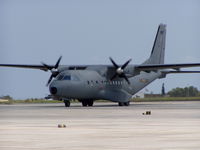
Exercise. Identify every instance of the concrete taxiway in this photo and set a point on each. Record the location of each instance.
(171, 126)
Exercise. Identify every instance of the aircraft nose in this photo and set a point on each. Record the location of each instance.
(53, 90)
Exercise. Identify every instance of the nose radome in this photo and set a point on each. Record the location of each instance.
(53, 90)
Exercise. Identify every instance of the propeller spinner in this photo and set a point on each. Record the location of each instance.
(120, 70)
(54, 70)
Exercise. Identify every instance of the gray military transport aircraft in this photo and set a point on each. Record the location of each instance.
(116, 83)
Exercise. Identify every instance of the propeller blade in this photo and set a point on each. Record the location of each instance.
(55, 73)
(51, 77)
(120, 70)
(53, 69)
(57, 64)
(126, 63)
(47, 66)
(127, 80)
(113, 62)
(114, 76)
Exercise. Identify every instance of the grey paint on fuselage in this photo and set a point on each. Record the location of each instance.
(92, 85)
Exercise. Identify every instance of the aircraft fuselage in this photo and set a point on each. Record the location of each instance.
(89, 84)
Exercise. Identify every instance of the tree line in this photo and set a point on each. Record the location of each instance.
(190, 91)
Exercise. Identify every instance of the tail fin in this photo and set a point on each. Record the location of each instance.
(158, 50)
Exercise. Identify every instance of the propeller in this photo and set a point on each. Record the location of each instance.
(120, 70)
(54, 69)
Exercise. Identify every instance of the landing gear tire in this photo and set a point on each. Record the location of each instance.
(121, 104)
(87, 103)
(124, 103)
(67, 103)
(90, 103)
(84, 103)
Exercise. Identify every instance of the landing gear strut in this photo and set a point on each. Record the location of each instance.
(124, 103)
(67, 103)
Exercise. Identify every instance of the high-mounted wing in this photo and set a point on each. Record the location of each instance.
(41, 67)
(155, 67)
(169, 72)
(165, 72)
(44, 67)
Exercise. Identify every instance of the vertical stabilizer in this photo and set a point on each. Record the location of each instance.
(158, 50)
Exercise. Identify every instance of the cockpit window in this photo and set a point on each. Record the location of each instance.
(75, 78)
(60, 77)
(67, 77)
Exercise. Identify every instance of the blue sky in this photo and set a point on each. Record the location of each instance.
(88, 32)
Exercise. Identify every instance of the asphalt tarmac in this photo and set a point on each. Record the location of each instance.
(171, 126)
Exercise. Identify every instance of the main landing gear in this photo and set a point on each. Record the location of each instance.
(84, 103)
(90, 103)
(124, 103)
(87, 103)
(67, 103)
